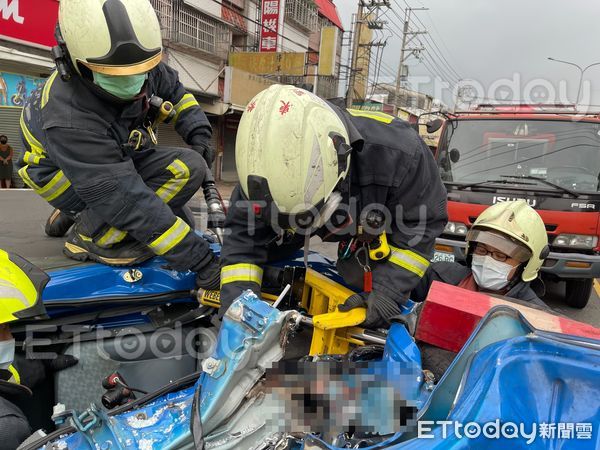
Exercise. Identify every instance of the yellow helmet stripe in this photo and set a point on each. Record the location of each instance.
(136, 69)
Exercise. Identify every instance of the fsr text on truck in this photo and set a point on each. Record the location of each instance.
(548, 155)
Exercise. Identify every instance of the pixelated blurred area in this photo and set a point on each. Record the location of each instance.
(331, 395)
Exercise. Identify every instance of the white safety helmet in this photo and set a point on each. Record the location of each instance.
(292, 150)
(112, 37)
(517, 230)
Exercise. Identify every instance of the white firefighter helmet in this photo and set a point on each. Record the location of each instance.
(292, 150)
(515, 229)
(112, 37)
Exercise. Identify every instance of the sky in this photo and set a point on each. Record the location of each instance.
(499, 47)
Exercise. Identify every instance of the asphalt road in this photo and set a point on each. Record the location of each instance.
(23, 214)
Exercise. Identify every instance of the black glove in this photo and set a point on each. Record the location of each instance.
(380, 309)
(209, 276)
(201, 145)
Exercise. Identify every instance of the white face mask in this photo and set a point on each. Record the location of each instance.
(489, 273)
(7, 353)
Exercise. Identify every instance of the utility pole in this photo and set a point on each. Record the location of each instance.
(355, 45)
(362, 18)
(407, 37)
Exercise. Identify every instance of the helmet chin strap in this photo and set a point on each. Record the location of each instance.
(330, 206)
(332, 203)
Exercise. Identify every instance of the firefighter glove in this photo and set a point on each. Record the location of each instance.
(381, 310)
(209, 276)
(201, 145)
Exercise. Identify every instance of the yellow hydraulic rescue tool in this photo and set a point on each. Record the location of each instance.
(334, 331)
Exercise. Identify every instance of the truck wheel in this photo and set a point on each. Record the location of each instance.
(578, 292)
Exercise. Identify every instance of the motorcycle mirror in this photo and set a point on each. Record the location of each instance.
(454, 155)
(434, 125)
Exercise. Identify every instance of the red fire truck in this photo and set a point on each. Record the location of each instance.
(548, 155)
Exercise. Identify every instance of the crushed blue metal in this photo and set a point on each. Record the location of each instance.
(507, 371)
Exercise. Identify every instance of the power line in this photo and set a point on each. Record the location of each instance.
(445, 74)
(434, 45)
(444, 66)
(435, 29)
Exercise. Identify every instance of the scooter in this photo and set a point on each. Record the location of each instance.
(20, 97)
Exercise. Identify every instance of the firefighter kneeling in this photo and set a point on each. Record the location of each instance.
(307, 167)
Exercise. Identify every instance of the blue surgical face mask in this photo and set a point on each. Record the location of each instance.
(123, 86)
(7, 353)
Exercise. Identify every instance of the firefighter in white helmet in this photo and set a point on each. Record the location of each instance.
(365, 179)
(91, 146)
(506, 247)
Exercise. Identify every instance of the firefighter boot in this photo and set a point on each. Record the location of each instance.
(125, 253)
(58, 224)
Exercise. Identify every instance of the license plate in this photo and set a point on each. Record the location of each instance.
(443, 256)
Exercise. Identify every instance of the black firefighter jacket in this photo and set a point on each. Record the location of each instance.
(74, 133)
(390, 166)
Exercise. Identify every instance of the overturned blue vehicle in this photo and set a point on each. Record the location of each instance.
(294, 377)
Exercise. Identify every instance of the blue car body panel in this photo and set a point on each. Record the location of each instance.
(506, 370)
(529, 378)
(161, 424)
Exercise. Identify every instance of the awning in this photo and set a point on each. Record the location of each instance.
(217, 108)
(196, 75)
(30, 59)
(327, 9)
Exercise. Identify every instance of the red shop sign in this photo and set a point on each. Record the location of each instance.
(270, 25)
(29, 22)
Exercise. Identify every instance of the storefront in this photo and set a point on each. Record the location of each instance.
(26, 36)
(15, 88)
(201, 78)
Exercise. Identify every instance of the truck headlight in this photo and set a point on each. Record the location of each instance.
(456, 229)
(575, 241)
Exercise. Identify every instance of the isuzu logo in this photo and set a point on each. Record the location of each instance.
(499, 199)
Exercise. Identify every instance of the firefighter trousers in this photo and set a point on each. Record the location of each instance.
(172, 173)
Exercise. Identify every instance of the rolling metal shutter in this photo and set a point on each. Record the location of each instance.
(9, 125)
(168, 137)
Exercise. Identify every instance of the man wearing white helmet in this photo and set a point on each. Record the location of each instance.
(506, 247)
(91, 143)
(309, 167)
